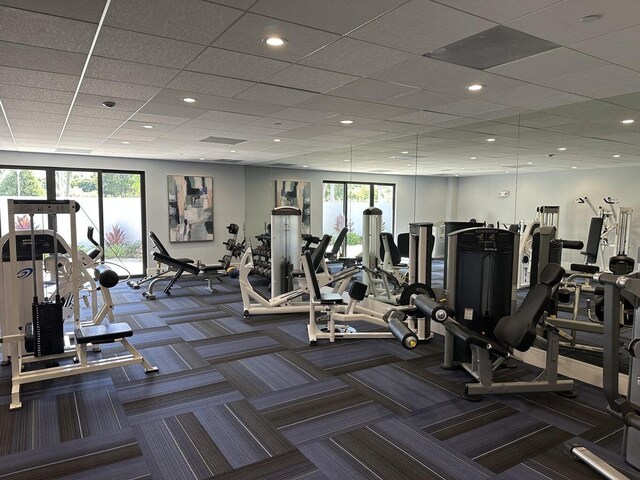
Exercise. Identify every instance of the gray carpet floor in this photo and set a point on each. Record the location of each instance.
(249, 398)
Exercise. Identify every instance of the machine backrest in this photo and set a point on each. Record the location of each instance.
(403, 244)
(519, 330)
(319, 251)
(311, 274)
(157, 244)
(339, 241)
(593, 240)
(396, 258)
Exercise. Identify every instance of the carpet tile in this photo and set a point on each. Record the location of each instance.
(238, 398)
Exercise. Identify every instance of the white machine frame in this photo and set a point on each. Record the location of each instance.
(13, 336)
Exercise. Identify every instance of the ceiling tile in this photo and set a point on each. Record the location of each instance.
(332, 15)
(423, 100)
(561, 24)
(35, 94)
(619, 47)
(164, 119)
(224, 117)
(84, 109)
(36, 79)
(242, 4)
(353, 107)
(85, 10)
(95, 101)
(497, 10)
(246, 35)
(36, 58)
(288, 97)
(277, 123)
(142, 48)
(39, 30)
(302, 115)
(534, 97)
(34, 116)
(424, 118)
(605, 81)
(434, 75)
(370, 90)
(169, 96)
(107, 89)
(34, 106)
(249, 107)
(158, 108)
(188, 20)
(129, 72)
(298, 76)
(552, 64)
(421, 26)
(235, 64)
(209, 84)
(468, 107)
(352, 56)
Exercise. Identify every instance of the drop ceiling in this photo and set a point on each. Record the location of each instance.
(359, 60)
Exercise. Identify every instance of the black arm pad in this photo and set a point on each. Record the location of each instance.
(432, 309)
(572, 244)
(470, 337)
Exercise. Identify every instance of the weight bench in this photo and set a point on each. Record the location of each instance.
(179, 266)
(513, 332)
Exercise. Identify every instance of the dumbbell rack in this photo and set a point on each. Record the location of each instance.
(235, 248)
(262, 255)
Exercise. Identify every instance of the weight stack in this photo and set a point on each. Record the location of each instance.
(48, 331)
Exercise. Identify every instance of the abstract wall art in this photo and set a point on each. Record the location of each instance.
(190, 208)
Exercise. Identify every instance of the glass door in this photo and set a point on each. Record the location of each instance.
(358, 199)
(122, 220)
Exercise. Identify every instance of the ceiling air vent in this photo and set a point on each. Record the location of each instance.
(223, 140)
(493, 47)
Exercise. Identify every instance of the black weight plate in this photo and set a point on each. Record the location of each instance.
(415, 289)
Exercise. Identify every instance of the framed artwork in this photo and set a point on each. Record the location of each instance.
(295, 194)
(190, 208)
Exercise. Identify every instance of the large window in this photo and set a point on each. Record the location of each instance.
(110, 201)
(340, 209)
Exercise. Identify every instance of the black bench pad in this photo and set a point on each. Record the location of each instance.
(103, 333)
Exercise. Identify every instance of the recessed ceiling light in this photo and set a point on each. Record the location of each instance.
(346, 122)
(457, 175)
(404, 152)
(506, 171)
(277, 139)
(147, 126)
(491, 139)
(475, 87)
(529, 163)
(125, 143)
(201, 158)
(616, 156)
(392, 156)
(562, 149)
(590, 18)
(628, 121)
(409, 164)
(275, 41)
(574, 167)
(346, 160)
(472, 158)
(305, 166)
(189, 100)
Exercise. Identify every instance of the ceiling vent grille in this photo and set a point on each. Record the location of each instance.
(223, 140)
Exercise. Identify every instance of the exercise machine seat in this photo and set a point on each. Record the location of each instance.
(396, 258)
(403, 244)
(328, 298)
(519, 330)
(176, 263)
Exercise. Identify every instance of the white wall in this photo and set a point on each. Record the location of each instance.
(556, 188)
(228, 191)
(430, 200)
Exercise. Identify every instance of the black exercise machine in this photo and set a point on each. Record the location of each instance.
(512, 332)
